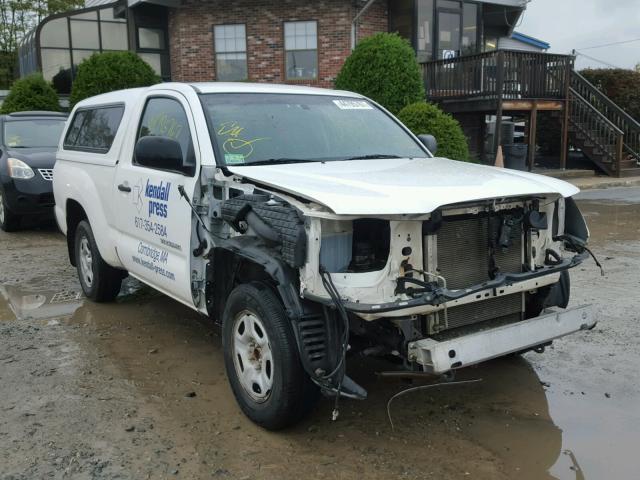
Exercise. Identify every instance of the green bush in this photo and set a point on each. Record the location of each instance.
(621, 86)
(424, 117)
(31, 93)
(109, 71)
(383, 67)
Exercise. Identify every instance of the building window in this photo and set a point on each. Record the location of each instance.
(469, 28)
(425, 30)
(231, 52)
(152, 38)
(401, 18)
(301, 48)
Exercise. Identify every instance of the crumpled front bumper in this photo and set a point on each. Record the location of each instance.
(442, 356)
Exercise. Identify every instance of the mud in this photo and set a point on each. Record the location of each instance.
(136, 389)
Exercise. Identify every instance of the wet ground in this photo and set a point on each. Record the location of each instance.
(136, 389)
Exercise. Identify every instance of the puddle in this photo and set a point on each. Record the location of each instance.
(611, 221)
(40, 305)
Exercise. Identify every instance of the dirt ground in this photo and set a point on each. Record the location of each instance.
(136, 389)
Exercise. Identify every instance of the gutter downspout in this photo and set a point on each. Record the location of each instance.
(354, 23)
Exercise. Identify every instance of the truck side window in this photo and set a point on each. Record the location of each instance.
(165, 117)
(93, 129)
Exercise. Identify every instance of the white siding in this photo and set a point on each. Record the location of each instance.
(95, 3)
(512, 44)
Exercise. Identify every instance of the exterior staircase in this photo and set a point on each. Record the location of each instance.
(472, 86)
(604, 132)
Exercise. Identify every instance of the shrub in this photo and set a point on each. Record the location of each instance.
(383, 67)
(621, 86)
(109, 71)
(424, 117)
(31, 93)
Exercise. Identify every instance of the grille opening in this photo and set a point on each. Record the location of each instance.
(370, 249)
(356, 246)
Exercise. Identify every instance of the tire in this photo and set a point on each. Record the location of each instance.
(100, 282)
(8, 221)
(262, 360)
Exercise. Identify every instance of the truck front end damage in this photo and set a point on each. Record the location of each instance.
(473, 281)
(439, 291)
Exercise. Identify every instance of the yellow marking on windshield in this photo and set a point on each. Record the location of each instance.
(233, 143)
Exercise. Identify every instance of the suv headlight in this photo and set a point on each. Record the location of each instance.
(19, 169)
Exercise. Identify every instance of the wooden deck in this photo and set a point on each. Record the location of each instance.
(512, 81)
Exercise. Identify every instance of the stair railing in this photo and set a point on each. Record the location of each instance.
(598, 130)
(625, 122)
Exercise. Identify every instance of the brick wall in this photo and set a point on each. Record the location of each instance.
(191, 35)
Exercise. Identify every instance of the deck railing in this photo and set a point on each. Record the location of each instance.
(500, 74)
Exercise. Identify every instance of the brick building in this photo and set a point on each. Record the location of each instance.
(288, 41)
(284, 41)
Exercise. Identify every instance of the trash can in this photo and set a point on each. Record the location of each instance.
(515, 156)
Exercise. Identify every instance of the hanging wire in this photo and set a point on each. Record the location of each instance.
(424, 387)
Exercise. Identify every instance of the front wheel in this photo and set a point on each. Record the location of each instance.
(8, 221)
(99, 281)
(261, 359)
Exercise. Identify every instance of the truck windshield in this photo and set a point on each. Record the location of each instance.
(35, 133)
(253, 129)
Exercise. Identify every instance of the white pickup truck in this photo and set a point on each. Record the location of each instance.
(310, 222)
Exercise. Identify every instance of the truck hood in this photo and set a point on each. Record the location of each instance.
(399, 186)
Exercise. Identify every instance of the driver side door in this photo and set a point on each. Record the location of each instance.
(153, 221)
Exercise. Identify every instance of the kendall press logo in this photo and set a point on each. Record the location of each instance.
(158, 195)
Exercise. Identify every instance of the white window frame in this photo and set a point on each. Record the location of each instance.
(304, 42)
(223, 48)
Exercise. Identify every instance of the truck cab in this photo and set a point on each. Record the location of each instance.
(301, 218)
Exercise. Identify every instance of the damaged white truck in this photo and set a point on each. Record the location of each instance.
(312, 224)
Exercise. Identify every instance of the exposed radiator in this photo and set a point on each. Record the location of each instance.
(483, 310)
(463, 259)
(463, 252)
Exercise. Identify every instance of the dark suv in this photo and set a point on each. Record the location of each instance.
(28, 144)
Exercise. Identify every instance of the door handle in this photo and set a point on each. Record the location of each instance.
(124, 188)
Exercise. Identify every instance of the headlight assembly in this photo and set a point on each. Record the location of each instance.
(19, 169)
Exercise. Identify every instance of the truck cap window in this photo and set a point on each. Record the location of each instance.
(93, 129)
(165, 117)
(269, 128)
(36, 133)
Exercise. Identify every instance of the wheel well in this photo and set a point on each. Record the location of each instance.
(75, 214)
(230, 271)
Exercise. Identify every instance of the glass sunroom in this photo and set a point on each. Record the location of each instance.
(444, 29)
(61, 42)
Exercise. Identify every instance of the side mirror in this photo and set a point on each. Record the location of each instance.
(163, 153)
(430, 142)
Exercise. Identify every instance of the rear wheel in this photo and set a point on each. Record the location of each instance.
(261, 359)
(8, 221)
(99, 281)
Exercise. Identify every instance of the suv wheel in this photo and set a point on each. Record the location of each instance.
(8, 221)
(100, 282)
(261, 359)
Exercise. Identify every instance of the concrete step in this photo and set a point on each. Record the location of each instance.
(630, 172)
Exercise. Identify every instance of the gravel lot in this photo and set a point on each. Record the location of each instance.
(136, 389)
